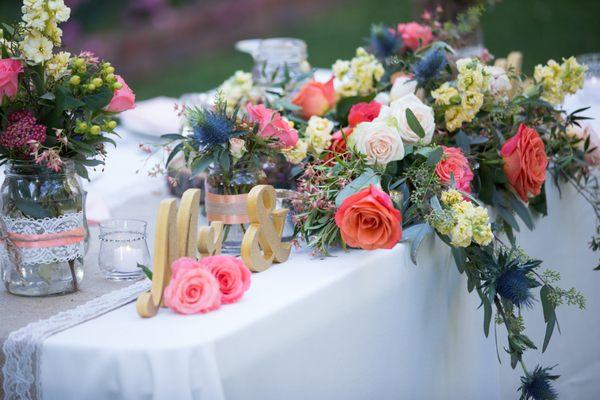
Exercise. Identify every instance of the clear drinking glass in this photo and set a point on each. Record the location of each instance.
(284, 200)
(591, 88)
(273, 56)
(122, 247)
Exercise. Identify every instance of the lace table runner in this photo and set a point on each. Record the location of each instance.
(26, 322)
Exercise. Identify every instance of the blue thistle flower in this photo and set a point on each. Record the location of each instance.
(430, 66)
(538, 385)
(212, 129)
(514, 284)
(384, 41)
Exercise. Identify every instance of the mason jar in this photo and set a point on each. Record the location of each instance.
(43, 229)
(226, 194)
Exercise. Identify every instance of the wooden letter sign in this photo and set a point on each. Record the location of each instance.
(262, 245)
(177, 236)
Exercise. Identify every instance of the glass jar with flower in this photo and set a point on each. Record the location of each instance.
(230, 146)
(56, 118)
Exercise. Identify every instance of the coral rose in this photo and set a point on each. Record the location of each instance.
(454, 163)
(123, 99)
(271, 124)
(525, 162)
(363, 112)
(368, 220)
(415, 35)
(192, 289)
(315, 98)
(9, 77)
(232, 275)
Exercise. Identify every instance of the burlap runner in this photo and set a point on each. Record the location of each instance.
(16, 312)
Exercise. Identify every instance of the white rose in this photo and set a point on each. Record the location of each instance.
(380, 142)
(382, 98)
(403, 85)
(237, 147)
(499, 80)
(395, 114)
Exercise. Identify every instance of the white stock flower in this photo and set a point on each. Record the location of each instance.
(318, 132)
(296, 154)
(60, 10)
(37, 48)
(57, 67)
(499, 80)
(403, 85)
(395, 114)
(380, 142)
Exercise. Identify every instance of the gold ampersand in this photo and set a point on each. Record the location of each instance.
(262, 245)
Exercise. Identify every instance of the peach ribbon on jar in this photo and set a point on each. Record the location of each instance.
(229, 208)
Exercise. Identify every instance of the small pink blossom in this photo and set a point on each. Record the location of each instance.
(123, 99)
(51, 158)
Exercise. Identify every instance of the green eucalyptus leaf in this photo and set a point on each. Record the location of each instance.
(414, 123)
(435, 156)
(199, 164)
(369, 177)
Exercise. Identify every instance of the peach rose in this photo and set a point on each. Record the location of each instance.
(415, 35)
(232, 275)
(192, 289)
(525, 162)
(368, 220)
(271, 124)
(315, 98)
(9, 77)
(454, 163)
(123, 99)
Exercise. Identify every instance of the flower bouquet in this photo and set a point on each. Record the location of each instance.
(425, 144)
(57, 115)
(230, 144)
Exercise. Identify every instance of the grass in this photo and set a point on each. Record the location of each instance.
(541, 29)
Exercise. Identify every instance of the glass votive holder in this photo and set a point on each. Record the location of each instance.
(122, 247)
(284, 200)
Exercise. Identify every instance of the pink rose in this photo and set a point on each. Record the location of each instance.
(271, 124)
(232, 275)
(415, 35)
(123, 99)
(315, 98)
(9, 77)
(454, 163)
(192, 289)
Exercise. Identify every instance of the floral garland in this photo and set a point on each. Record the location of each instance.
(426, 144)
(405, 140)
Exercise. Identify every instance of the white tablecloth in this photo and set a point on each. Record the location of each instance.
(360, 325)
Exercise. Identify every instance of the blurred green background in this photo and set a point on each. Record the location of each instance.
(541, 29)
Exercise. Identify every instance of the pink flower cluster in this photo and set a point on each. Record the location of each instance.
(22, 129)
(271, 124)
(202, 286)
